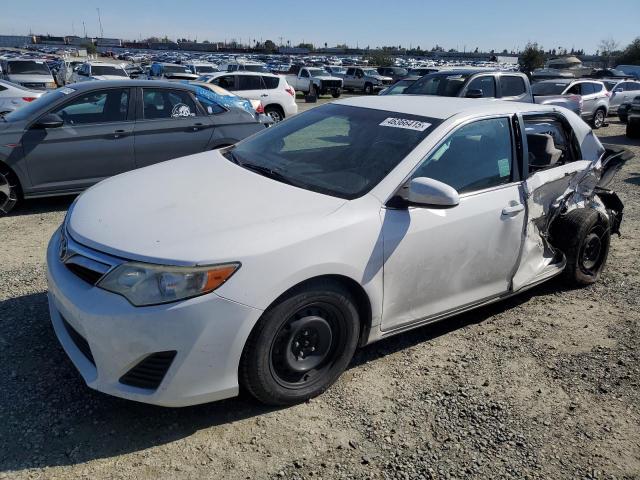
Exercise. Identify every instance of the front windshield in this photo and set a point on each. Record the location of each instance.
(175, 69)
(316, 72)
(33, 67)
(443, 85)
(337, 150)
(24, 113)
(548, 88)
(107, 70)
(205, 68)
(399, 87)
(255, 68)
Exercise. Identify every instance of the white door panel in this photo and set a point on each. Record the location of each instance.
(440, 259)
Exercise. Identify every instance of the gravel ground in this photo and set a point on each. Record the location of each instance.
(544, 385)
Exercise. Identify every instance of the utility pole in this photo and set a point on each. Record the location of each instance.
(100, 23)
(84, 28)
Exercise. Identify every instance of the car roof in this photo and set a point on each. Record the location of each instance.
(441, 107)
(241, 72)
(86, 86)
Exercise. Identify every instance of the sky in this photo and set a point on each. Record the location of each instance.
(460, 24)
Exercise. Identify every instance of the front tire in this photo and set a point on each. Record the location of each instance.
(583, 235)
(9, 190)
(368, 89)
(301, 345)
(598, 118)
(336, 93)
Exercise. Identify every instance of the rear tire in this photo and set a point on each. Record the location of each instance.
(9, 190)
(583, 235)
(301, 345)
(633, 129)
(275, 112)
(599, 118)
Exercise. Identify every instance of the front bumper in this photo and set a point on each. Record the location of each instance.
(207, 332)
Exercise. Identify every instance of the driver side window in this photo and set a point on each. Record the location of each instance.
(100, 106)
(476, 156)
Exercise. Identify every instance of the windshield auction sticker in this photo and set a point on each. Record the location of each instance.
(405, 123)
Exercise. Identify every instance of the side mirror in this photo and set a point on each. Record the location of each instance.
(50, 120)
(474, 93)
(427, 192)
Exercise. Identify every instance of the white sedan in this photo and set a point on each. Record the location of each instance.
(14, 96)
(266, 264)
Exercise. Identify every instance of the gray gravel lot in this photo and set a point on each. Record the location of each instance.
(544, 385)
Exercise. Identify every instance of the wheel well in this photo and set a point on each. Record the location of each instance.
(363, 304)
(274, 106)
(12, 173)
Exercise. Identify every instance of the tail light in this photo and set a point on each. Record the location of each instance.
(260, 109)
(29, 99)
(607, 93)
(290, 91)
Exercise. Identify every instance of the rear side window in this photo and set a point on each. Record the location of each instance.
(102, 106)
(549, 145)
(250, 82)
(271, 82)
(485, 83)
(227, 82)
(632, 86)
(164, 103)
(475, 157)
(512, 86)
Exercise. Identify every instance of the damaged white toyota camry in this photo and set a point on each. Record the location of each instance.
(263, 266)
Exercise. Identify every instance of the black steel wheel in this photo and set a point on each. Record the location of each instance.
(301, 344)
(583, 235)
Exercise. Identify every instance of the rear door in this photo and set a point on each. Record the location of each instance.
(513, 88)
(169, 124)
(251, 87)
(95, 142)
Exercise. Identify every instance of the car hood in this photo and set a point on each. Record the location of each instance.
(380, 77)
(327, 77)
(195, 210)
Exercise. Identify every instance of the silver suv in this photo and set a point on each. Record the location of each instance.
(594, 94)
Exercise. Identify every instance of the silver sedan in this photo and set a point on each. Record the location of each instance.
(14, 96)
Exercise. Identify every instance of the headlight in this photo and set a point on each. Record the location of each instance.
(51, 85)
(146, 284)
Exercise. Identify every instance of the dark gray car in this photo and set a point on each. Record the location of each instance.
(75, 136)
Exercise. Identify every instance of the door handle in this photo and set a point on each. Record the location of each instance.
(264, 95)
(119, 133)
(197, 126)
(512, 210)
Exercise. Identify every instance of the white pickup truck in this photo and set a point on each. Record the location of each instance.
(314, 80)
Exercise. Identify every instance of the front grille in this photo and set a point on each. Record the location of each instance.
(79, 341)
(331, 83)
(150, 371)
(34, 85)
(387, 82)
(86, 274)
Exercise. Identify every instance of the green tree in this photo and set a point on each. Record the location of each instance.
(631, 54)
(91, 48)
(269, 46)
(380, 59)
(532, 57)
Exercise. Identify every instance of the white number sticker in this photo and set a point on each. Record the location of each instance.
(405, 123)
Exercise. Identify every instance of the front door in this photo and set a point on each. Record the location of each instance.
(95, 142)
(439, 260)
(170, 125)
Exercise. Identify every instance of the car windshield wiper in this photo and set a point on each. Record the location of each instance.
(268, 172)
